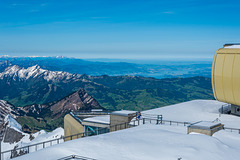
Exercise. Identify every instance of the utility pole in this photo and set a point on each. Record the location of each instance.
(1, 138)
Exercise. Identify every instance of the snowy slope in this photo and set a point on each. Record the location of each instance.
(197, 110)
(149, 142)
(27, 138)
(12, 123)
(153, 142)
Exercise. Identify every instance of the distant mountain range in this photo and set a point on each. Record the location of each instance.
(39, 98)
(34, 85)
(158, 69)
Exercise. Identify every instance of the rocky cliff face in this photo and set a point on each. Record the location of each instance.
(79, 100)
(12, 130)
(8, 109)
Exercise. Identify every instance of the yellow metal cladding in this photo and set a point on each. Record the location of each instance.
(226, 75)
(72, 127)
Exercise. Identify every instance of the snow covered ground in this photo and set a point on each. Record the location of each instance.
(26, 140)
(197, 110)
(151, 142)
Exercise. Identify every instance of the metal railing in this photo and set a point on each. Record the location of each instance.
(232, 129)
(76, 157)
(77, 113)
(35, 147)
(161, 121)
(30, 148)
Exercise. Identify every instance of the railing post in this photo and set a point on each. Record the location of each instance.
(28, 149)
(43, 144)
(143, 120)
(170, 123)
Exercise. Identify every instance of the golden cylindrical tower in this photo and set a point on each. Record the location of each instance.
(226, 74)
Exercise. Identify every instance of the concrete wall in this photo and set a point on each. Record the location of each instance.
(71, 127)
(208, 132)
(235, 110)
(121, 121)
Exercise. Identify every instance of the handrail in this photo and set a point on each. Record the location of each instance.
(36, 144)
(77, 157)
(231, 129)
(98, 131)
(84, 134)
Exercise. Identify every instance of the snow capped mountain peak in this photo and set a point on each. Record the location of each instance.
(18, 74)
(34, 67)
(12, 69)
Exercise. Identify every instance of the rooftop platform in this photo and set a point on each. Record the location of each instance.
(205, 127)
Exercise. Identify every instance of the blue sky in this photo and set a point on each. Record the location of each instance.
(129, 29)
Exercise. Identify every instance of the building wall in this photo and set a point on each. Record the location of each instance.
(118, 122)
(117, 119)
(235, 110)
(208, 132)
(71, 127)
(226, 75)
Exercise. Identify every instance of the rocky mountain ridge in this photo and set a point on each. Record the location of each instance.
(79, 100)
(19, 74)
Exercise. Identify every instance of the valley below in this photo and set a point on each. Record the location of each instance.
(40, 98)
